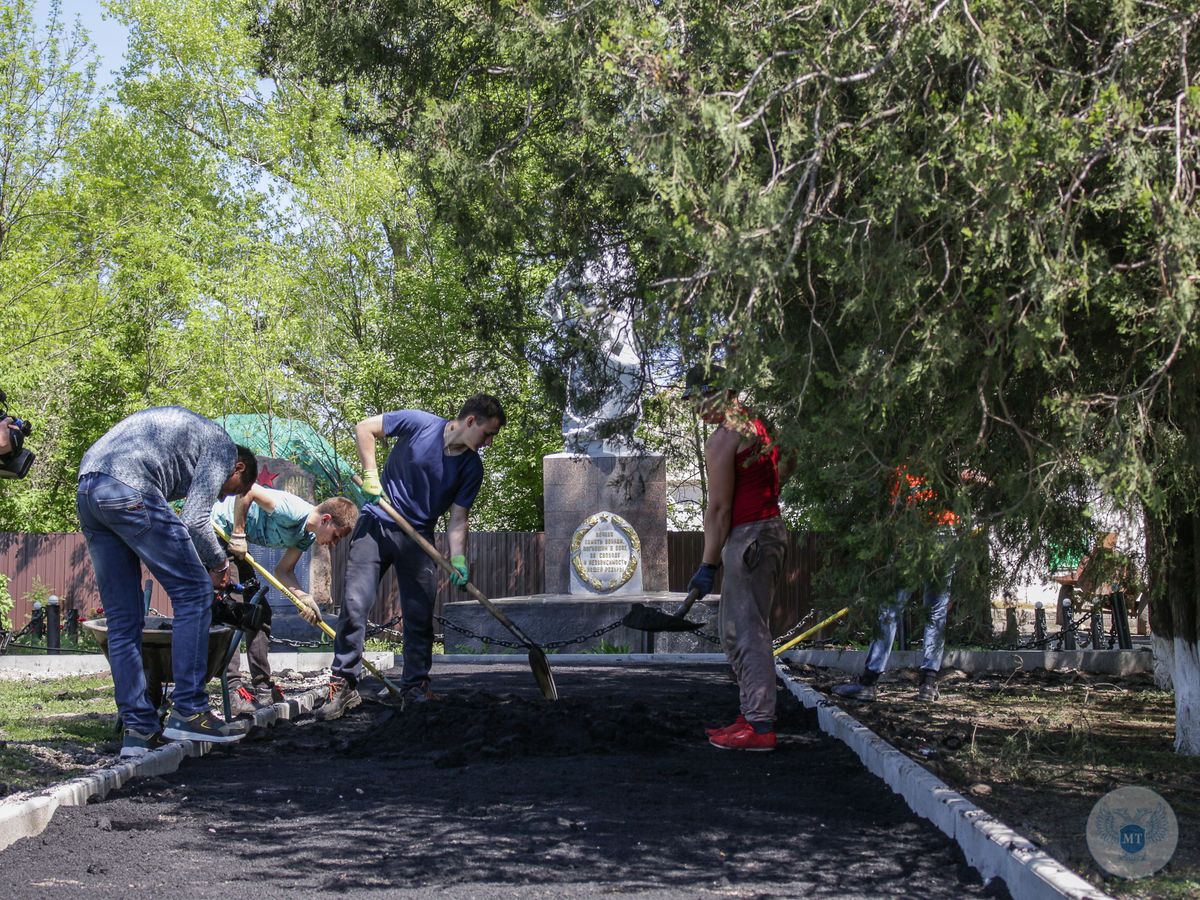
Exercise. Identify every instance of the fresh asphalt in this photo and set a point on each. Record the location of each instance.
(376, 805)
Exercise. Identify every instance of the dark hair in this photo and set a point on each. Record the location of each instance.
(484, 406)
(247, 458)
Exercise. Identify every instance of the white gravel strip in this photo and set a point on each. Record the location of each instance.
(26, 815)
(990, 846)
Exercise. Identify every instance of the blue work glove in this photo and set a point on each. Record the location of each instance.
(459, 577)
(703, 580)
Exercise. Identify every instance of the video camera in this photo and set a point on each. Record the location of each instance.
(249, 614)
(15, 463)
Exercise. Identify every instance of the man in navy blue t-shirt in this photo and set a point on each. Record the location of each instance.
(433, 467)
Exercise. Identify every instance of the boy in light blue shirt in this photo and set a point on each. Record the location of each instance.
(271, 518)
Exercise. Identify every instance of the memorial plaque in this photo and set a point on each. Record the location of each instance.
(606, 555)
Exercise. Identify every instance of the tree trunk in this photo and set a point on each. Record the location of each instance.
(1187, 697)
(1173, 550)
(1164, 662)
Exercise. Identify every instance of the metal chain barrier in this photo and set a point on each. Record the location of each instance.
(373, 629)
(599, 632)
(1055, 639)
(780, 641)
(9, 639)
(299, 645)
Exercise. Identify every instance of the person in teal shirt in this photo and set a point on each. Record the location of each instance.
(267, 517)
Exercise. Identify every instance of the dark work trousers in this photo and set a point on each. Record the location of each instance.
(753, 560)
(258, 643)
(374, 548)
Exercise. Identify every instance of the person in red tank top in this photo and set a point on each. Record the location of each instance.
(744, 534)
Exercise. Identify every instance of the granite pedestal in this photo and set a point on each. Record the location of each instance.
(556, 617)
(579, 485)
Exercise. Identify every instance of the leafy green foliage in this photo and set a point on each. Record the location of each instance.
(948, 236)
(6, 604)
(217, 240)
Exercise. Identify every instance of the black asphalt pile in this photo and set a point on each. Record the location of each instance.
(467, 726)
(612, 790)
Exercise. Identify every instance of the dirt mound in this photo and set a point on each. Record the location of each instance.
(462, 727)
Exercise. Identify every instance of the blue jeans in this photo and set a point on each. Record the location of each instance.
(124, 528)
(936, 596)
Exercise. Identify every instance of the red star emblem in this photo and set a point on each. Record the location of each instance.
(266, 477)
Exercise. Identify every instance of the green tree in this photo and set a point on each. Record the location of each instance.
(934, 235)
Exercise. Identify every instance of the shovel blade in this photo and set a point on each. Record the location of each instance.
(542, 673)
(645, 618)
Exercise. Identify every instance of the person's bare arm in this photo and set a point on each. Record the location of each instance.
(241, 505)
(456, 530)
(720, 453)
(366, 433)
(285, 570)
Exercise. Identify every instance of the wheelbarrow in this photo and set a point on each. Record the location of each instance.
(156, 652)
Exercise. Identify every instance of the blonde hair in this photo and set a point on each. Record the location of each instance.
(343, 512)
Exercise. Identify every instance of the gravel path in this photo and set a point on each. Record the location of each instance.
(490, 792)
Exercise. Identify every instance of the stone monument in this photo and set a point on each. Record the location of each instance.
(605, 498)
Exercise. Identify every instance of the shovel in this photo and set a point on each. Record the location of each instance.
(324, 626)
(537, 656)
(646, 618)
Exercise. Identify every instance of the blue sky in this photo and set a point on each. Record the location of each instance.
(109, 36)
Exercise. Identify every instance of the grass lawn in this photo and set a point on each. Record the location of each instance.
(53, 730)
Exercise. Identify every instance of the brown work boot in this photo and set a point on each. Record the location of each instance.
(269, 693)
(420, 692)
(342, 698)
(242, 701)
(928, 691)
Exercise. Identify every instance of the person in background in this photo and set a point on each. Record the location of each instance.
(126, 480)
(277, 519)
(433, 467)
(914, 491)
(744, 534)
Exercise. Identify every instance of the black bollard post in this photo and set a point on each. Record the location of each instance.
(37, 622)
(1121, 620)
(53, 626)
(1012, 633)
(1097, 623)
(1068, 632)
(1039, 625)
(72, 625)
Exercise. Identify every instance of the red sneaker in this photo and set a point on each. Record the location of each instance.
(737, 723)
(744, 738)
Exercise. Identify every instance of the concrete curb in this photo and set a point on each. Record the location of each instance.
(990, 846)
(26, 815)
(586, 659)
(1101, 662)
(45, 666)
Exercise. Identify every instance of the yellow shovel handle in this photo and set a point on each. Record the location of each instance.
(321, 623)
(803, 635)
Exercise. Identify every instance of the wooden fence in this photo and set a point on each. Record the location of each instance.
(503, 564)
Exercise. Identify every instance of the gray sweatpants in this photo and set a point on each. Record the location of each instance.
(753, 561)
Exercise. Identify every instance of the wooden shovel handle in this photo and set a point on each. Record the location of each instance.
(437, 557)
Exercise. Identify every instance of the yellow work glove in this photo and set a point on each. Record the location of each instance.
(311, 613)
(370, 484)
(237, 544)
